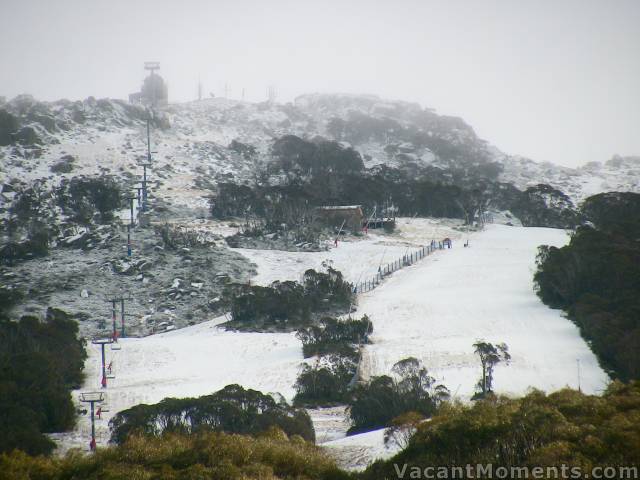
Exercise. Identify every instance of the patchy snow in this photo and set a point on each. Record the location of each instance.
(436, 309)
(357, 452)
(330, 423)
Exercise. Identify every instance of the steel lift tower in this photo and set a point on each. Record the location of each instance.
(92, 398)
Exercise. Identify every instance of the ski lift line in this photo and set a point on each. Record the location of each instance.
(368, 285)
(375, 208)
(382, 258)
(340, 231)
(412, 218)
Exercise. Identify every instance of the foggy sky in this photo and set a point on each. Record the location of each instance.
(551, 80)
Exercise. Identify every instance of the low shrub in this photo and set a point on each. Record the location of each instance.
(565, 429)
(210, 455)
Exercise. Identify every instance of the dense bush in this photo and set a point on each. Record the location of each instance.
(564, 428)
(326, 381)
(288, 305)
(316, 157)
(30, 224)
(374, 404)
(9, 125)
(81, 198)
(596, 279)
(176, 237)
(336, 343)
(64, 165)
(615, 213)
(244, 149)
(332, 335)
(206, 455)
(33, 216)
(40, 362)
(545, 206)
(463, 184)
(9, 297)
(232, 409)
(234, 200)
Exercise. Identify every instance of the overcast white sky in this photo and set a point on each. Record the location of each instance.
(553, 80)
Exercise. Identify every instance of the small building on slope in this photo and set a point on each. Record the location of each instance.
(335, 216)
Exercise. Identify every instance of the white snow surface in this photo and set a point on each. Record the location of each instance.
(436, 309)
(189, 362)
(357, 258)
(357, 452)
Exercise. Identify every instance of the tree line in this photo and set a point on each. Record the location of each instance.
(40, 363)
(596, 280)
(306, 173)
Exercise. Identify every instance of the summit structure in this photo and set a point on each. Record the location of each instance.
(154, 91)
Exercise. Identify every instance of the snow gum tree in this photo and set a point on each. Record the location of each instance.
(490, 355)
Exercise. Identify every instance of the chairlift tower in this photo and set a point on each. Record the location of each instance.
(145, 189)
(114, 333)
(132, 218)
(114, 299)
(146, 164)
(102, 342)
(92, 398)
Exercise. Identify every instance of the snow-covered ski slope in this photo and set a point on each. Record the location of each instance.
(436, 309)
(189, 362)
(357, 258)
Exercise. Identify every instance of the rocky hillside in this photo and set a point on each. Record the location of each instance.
(66, 169)
(194, 146)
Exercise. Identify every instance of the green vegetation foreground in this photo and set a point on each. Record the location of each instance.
(563, 428)
(211, 456)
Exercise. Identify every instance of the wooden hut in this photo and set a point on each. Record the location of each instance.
(335, 216)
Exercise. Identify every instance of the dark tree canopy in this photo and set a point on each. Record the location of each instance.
(374, 404)
(232, 409)
(40, 362)
(596, 279)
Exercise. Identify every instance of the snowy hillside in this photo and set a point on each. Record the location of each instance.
(616, 174)
(434, 310)
(192, 141)
(201, 359)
